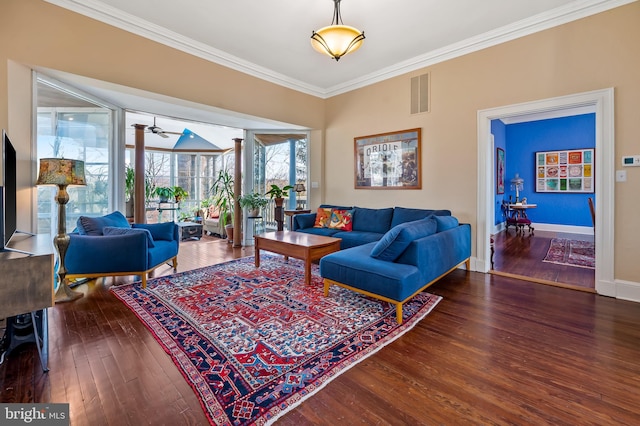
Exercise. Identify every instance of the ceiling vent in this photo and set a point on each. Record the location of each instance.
(420, 94)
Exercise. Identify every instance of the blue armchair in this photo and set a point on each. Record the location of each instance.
(109, 246)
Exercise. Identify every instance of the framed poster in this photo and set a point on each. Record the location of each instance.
(565, 171)
(388, 160)
(499, 171)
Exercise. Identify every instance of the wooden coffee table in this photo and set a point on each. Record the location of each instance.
(299, 245)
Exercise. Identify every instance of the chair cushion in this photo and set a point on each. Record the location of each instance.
(159, 231)
(341, 219)
(94, 225)
(114, 230)
(398, 238)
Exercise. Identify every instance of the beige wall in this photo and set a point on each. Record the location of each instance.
(598, 52)
(593, 53)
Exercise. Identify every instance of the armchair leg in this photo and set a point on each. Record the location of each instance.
(144, 280)
(175, 262)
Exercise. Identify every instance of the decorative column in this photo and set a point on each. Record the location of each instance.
(139, 208)
(237, 192)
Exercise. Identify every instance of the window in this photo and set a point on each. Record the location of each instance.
(69, 125)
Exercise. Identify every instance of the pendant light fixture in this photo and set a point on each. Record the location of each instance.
(337, 39)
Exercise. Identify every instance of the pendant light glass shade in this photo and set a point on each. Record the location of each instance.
(336, 40)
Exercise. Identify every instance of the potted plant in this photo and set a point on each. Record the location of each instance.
(254, 202)
(277, 193)
(223, 198)
(164, 193)
(179, 193)
(129, 186)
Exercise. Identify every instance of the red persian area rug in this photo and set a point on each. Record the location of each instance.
(255, 343)
(572, 253)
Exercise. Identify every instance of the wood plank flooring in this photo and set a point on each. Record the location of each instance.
(519, 255)
(496, 350)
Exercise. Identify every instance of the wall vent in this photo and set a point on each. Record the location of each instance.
(420, 94)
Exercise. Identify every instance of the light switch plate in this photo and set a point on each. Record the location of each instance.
(621, 175)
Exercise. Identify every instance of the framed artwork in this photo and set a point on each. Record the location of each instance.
(388, 160)
(499, 171)
(565, 171)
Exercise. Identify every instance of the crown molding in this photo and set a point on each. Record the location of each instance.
(558, 16)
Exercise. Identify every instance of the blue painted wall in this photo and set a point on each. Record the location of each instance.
(522, 141)
(499, 131)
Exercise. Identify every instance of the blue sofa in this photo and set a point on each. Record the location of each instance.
(369, 225)
(416, 249)
(110, 246)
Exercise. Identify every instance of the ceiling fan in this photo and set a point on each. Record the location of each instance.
(159, 131)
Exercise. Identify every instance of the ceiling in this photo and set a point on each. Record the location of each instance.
(271, 39)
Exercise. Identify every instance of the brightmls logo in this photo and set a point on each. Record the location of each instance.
(36, 414)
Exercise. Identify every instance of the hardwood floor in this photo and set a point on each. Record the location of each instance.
(519, 255)
(496, 350)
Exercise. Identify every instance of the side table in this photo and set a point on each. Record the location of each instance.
(190, 230)
(291, 214)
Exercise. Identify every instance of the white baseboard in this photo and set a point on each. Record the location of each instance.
(550, 227)
(569, 229)
(627, 290)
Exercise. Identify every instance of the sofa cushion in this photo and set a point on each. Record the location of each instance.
(446, 222)
(341, 219)
(398, 238)
(356, 238)
(327, 232)
(403, 214)
(372, 220)
(94, 225)
(114, 230)
(323, 216)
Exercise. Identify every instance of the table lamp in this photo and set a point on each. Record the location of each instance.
(517, 183)
(62, 172)
(298, 188)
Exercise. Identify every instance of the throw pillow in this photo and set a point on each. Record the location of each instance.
(446, 222)
(112, 230)
(94, 225)
(398, 238)
(323, 216)
(341, 219)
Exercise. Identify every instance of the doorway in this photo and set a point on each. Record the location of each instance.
(602, 103)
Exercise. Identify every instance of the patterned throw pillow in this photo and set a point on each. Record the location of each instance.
(323, 216)
(341, 219)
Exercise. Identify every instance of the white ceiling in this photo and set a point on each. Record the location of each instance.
(271, 39)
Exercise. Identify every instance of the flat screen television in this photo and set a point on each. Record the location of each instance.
(8, 216)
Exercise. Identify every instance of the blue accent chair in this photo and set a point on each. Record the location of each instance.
(110, 246)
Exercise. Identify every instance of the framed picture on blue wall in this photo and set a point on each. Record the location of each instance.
(500, 171)
(565, 171)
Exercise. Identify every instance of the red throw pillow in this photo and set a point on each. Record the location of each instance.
(323, 216)
(341, 219)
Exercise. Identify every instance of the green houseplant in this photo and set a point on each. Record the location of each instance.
(223, 198)
(254, 202)
(129, 186)
(277, 192)
(164, 193)
(179, 193)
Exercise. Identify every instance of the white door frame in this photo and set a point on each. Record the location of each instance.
(602, 102)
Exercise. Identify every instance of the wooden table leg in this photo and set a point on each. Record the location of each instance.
(257, 256)
(307, 270)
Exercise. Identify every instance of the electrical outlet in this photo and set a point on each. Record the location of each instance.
(621, 175)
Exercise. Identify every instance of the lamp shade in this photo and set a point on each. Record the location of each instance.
(337, 40)
(61, 171)
(299, 187)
